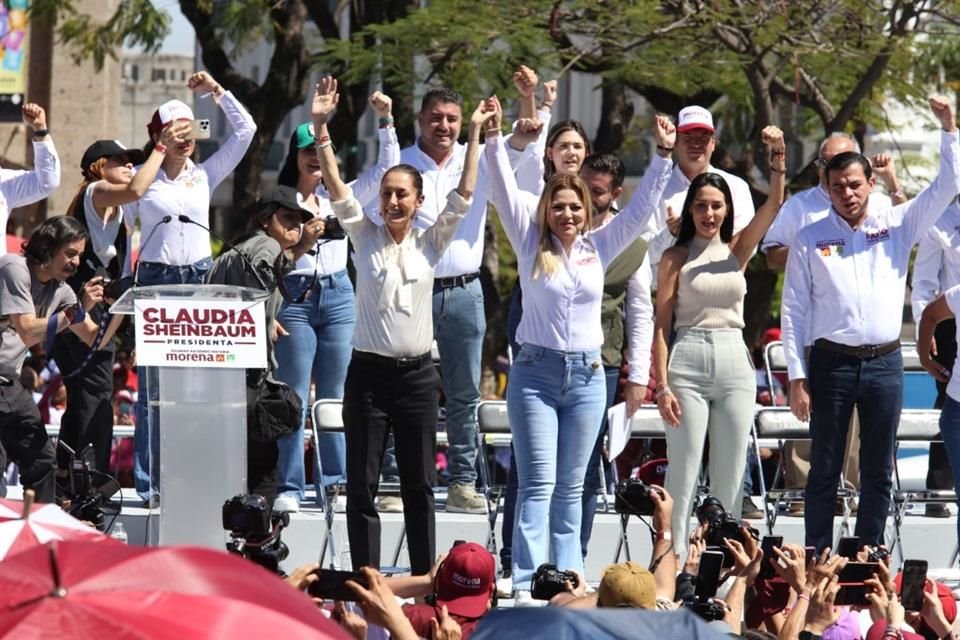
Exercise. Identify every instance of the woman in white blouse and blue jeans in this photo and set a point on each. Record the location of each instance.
(173, 251)
(557, 387)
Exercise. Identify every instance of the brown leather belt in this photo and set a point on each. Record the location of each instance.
(863, 352)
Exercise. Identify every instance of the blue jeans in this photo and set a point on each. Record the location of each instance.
(146, 440)
(317, 348)
(837, 383)
(950, 430)
(556, 404)
(459, 325)
(592, 480)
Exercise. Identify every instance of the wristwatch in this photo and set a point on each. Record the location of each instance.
(666, 535)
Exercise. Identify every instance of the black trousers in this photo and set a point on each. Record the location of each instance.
(381, 395)
(23, 439)
(88, 419)
(939, 474)
(262, 460)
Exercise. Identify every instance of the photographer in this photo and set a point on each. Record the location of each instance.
(629, 584)
(259, 259)
(35, 305)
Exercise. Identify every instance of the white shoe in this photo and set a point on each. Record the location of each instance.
(523, 598)
(390, 504)
(288, 504)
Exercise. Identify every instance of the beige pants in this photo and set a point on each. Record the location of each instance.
(796, 458)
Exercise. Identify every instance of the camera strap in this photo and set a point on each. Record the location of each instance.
(94, 348)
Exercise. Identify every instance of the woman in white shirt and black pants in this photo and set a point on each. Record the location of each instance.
(173, 251)
(557, 388)
(391, 383)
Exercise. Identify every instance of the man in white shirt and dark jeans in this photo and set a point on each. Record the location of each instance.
(843, 293)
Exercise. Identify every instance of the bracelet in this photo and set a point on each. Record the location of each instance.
(321, 139)
(159, 147)
(663, 392)
(803, 596)
(772, 170)
(492, 132)
(660, 147)
(40, 133)
(324, 145)
(386, 121)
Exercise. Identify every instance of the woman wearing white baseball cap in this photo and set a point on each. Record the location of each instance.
(174, 214)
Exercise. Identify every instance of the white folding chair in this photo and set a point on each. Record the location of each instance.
(493, 429)
(328, 417)
(646, 423)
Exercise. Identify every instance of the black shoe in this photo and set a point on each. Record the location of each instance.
(152, 502)
(750, 511)
(936, 510)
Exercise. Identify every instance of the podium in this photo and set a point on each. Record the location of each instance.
(194, 344)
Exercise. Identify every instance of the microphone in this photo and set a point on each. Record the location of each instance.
(143, 245)
(186, 220)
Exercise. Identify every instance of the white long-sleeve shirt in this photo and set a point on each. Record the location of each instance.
(395, 281)
(562, 311)
(19, 188)
(638, 312)
(330, 256)
(847, 285)
(806, 207)
(179, 243)
(937, 266)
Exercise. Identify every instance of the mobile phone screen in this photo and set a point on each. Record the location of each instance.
(848, 547)
(853, 591)
(331, 585)
(708, 575)
(912, 583)
(767, 544)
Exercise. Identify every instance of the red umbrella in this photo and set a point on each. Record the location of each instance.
(14, 244)
(26, 524)
(82, 590)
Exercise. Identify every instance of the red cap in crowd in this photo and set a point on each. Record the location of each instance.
(466, 580)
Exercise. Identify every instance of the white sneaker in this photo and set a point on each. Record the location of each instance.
(390, 504)
(523, 598)
(286, 503)
(463, 498)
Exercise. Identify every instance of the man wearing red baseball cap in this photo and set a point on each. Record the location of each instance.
(465, 585)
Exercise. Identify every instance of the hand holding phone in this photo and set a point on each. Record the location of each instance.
(848, 547)
(708, 576)
(912, 584)
(331, 585)
(767, 545)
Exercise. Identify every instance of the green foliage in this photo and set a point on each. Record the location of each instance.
(136, 24)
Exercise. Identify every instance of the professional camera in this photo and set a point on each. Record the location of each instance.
(708, 610)
(548, 581)
(332, 229)
(721, 526)
(633, 498)
(85, 491)
(113, 289)
(255, 531)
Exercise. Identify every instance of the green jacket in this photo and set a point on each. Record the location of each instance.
(611, 307)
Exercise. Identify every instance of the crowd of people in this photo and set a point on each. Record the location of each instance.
(589, 272)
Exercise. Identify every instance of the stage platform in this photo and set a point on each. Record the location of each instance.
(930, 539)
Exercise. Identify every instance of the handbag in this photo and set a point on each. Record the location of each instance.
(273, 408)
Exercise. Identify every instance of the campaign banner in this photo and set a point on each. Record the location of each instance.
(209, 333)
(14, 25)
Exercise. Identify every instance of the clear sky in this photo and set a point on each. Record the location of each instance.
(181, 39)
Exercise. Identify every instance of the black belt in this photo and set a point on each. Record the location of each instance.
(864, 351)
(414, 362)
(456, 281)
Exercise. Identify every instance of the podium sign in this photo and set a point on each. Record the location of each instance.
(201, 333)
(195, 342)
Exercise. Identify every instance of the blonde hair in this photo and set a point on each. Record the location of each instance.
(91, 174)
(548, 258)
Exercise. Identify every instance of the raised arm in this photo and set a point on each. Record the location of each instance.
(885, 170)
(922, 212)
(745, 243)
(366, 188)
(525, 80)
(107, 194)
(24, 187)
(516, 208)
(228, 156)
(325, 100)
